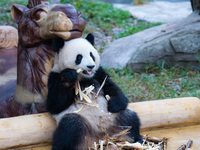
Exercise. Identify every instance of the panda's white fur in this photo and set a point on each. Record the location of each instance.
(86, 123)
(96, 115)
(67, 56)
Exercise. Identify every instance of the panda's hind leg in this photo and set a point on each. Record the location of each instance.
(71, 133)
(128, 118)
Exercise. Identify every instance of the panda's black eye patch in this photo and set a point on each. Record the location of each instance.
(92, 56)
(78, 59)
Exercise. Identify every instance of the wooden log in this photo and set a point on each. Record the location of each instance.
(168, 113)
(35, 129)
(182, 115)
(26, 130)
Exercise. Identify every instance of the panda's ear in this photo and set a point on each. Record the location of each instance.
(90, 38)
(57, 43)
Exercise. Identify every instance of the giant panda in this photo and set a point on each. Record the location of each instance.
(80, 124)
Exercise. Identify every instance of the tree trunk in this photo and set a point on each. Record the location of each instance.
(195, 5)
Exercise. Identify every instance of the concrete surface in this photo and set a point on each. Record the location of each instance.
(165, 11)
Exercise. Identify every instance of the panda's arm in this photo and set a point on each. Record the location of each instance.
(118, 100)
(60, 90)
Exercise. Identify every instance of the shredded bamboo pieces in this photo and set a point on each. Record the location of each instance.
(107, 97)
(83, 95)
(89, 89)
(76, 87)
(189, 144)
(79, 91)
(79, 110)
(79, 70)
(116, 142)
(131, 145)
(186, 146)
(101, 87)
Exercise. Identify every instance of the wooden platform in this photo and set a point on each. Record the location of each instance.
(176, 119)
(178, 136)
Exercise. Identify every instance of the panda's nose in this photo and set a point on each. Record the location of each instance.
(91, 66)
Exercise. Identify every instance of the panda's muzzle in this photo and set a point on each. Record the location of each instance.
(88, 72)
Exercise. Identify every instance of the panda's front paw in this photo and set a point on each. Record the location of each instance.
(68, 76)
(101, 74)
(114, 106)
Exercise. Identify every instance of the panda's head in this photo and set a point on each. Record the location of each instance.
(75, 54)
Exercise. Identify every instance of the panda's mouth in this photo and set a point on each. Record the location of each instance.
(88, 72)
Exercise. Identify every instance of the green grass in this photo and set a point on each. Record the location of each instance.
(106, 17)
(5, 9)
(154, 83)
(142, 25)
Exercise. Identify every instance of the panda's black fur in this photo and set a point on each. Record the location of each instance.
(77, 131)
